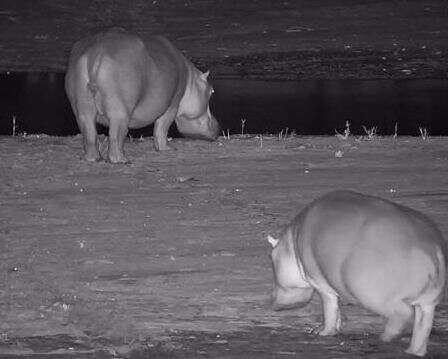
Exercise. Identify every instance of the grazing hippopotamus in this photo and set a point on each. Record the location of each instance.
(123, 81)
(366, 250)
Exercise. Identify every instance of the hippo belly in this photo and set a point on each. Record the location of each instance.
(386, 257)
(122, 81)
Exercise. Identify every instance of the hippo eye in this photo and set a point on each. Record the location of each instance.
(212, 91)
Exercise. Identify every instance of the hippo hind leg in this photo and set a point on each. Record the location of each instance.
(118, 129)
(85, 111)
(85, 116)
(117, 117)
(423, 318)
(397, 321)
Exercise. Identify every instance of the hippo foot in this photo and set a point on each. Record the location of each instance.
(420, 352)
(321, 331)
(164, 147)
(119, 161)
(119, 158)
(92, 158)
(389, 336)
(327, 332)
(396, 325)
(92, 155)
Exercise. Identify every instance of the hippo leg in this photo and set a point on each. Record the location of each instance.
(85, 113)
(332, 314)
(161, 127)
(396, 322)
(87, 127)
(424, 315)
(118, 129)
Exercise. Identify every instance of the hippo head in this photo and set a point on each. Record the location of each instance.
(194, 119)
(291, 289)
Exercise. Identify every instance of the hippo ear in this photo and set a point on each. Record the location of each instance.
(272, 241)
(205, 74)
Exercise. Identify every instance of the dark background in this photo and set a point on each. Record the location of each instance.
(381, 47)
(253, 38)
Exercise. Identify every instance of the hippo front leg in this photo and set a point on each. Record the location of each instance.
(161, 128)
(332, 314)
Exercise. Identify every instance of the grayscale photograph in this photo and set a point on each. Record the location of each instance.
(223, 179)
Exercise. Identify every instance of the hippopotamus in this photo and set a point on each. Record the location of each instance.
(123, 81)
(364, 250)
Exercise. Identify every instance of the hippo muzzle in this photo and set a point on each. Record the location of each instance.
(204, 127)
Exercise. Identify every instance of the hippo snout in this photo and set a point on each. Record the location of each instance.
(205, 127)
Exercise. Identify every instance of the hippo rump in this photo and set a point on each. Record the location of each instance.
(123, 81)
(368, 251)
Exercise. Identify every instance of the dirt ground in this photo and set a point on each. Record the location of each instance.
(167, 256)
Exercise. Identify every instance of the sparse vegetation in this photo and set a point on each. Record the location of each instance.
(370, 132)
(103, 146)
(346, 133)
(243, 124)
(339, 154)
(282, 135)
(13, 125)
(227, 137)
(423, 133)
(261, 140)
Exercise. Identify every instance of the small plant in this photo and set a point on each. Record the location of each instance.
(227, 137)
(346, 133)
(261, 141)
(103, 146)
(370, 132)
(423, 133)
(396, 131)
(339, 154)
(243, 124)
(283, 136)
(13, 125)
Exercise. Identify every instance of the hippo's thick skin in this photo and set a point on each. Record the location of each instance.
(366, 250)
(123, 81)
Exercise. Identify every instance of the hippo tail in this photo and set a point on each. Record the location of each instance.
(92, 84)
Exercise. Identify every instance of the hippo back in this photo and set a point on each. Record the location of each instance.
(358, 243)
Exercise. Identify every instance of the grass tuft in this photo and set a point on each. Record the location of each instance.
(346, 133)
(370, 132)
(243, 124)
(423, 133)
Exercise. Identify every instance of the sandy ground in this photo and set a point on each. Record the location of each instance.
(167, 256)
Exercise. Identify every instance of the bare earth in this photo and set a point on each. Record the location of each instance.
(167, 256)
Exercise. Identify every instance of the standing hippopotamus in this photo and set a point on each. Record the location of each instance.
(366, 250)
(122, 81)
